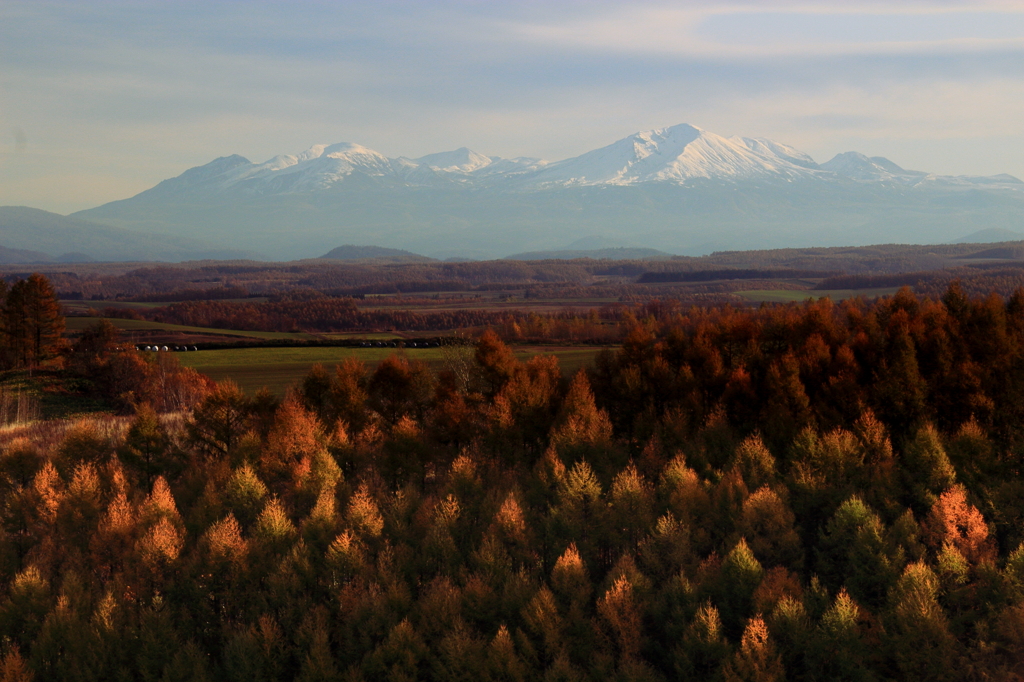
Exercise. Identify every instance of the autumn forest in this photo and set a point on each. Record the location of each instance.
(807, 491)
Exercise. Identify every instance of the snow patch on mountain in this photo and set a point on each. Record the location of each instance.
(519, 166)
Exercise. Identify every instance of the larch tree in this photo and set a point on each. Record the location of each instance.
(399, 387)
(495, 361)
(918, 636)
(768, 524)
(147, 446)
(756, 659)
(220, 420)
(33, 322)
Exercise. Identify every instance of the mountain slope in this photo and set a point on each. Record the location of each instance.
(8, 256)
(31, 229)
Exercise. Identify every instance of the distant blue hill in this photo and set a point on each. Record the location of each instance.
(617, 253)
(990, 236)
(357, 253)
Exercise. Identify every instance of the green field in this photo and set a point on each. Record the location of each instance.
(389, 336)
(798, 295)
(80, 323)
(278, 368)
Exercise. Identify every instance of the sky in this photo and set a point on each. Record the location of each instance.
(101, 100)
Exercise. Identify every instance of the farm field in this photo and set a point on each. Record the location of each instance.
(279, 368)
(797, 295)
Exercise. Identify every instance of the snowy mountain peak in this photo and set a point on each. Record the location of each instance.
(350, 150)
(316, 168)
(888, 165)
(314, 152)
(859, 167)
(677, 135)
(461, 160)
(675, 154)
(849, 160)
(340, 149)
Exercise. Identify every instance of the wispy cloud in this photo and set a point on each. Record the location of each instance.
(747, 30)
(143, 90)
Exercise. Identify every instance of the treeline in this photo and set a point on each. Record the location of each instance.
(322, 314)
(261, 279)
(815, 492)
(117, 281)
(780, 368)
(318, 313)
(731, 273)
(975, 280)
(978, 280)
(861, 281)
(212, 294)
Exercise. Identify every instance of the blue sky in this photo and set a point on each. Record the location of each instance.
(101, 100)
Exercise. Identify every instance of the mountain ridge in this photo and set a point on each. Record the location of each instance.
(679, 189)
(673, 154)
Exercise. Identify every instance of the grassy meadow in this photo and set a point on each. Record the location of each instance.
(798, 295)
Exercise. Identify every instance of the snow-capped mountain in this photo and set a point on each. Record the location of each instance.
(462, 160)
(318, 167)
(875, 169)
(680, 189)
(674, 154)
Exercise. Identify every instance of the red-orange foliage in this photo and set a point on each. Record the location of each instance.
(953, 520)
(294, 436)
